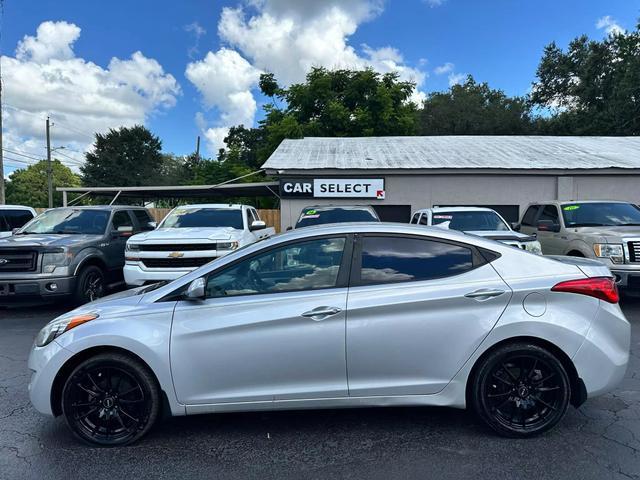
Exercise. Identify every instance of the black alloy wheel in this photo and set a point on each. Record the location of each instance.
(521, 390)
(90, 285)
(110, 400)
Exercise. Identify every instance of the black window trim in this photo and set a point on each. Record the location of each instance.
(480, 257)
(341, 282)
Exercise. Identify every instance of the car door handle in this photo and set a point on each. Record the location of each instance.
(484, 294)
(321, 313)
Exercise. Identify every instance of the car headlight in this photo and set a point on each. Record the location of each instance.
(60, 325)
(533, 247)
(133, 247)
(612, 251)
(50, 261)
(227, 245)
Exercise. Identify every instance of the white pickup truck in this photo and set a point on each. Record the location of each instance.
(189, 237)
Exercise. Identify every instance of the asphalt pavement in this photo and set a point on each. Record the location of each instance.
(601, 440)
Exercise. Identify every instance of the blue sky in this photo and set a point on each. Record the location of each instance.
(179, 93)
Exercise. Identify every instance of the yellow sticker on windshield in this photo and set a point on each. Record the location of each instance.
(568, 208)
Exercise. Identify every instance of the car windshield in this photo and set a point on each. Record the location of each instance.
(315, 216)
(480, 221)
(68, 221)
(600, 214)
(204, 217)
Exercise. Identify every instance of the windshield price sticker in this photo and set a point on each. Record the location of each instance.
(569, 208)
(443, 217)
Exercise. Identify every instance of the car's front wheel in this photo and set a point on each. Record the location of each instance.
(90, 285)
(521, 390)
(110, 399)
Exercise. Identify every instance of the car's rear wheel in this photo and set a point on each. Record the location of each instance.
(110, 400)
(90, 285)
(521, 390)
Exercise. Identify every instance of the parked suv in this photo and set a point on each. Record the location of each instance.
(12, 217)
(75, 252)
(605, 230)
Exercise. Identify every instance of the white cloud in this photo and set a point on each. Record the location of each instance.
(609, 25)
(446, 68)
(456, 78)
(434, 3)
(288, 38)
(45, 78)
(197, 31)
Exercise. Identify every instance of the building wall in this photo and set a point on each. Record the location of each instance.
(424, 191)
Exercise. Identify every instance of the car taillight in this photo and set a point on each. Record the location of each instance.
(604, 288)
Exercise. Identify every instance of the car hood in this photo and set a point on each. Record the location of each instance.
(501, 235)
(112, 304)
(171, 234)
(615, 232)
(46, 240)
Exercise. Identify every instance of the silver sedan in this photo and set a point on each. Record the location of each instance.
(346, 315)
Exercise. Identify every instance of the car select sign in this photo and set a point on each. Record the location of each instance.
(334, 188)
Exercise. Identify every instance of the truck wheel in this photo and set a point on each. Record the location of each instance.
(90, 285)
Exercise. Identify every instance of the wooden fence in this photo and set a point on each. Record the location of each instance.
(271, 217)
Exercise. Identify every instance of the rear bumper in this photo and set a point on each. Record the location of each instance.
(601, 361)
(18, 291)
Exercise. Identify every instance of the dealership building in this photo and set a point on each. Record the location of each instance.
(397, 175)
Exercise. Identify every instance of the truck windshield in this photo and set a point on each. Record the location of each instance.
(203, 217)
(480, 221)
(68, 221)
(316, 216)
(600, 214)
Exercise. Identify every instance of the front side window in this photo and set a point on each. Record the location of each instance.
(144, 219)
(203, 218)
(308, 265)
(415, 218)
(530, 215)
(399, 259)
(550, 213)
(469, 221)
(601, 214)
(424, 219)
(68, 221)
(121, 219)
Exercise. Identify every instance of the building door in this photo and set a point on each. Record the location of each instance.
(393, 213)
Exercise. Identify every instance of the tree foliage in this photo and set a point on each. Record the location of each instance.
(474, 109)
(28, 186)
(124, 157)
(593, 88)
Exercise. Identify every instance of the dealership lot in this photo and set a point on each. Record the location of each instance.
(601, 440)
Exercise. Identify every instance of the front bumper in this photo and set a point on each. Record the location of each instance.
(627, 278)
(44, 364)
(24, 290)
(136, 276)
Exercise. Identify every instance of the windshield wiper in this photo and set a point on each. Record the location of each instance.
(629, 225)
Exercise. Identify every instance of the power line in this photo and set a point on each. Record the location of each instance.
(21, 154)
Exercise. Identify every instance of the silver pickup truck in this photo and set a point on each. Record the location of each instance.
(608, 231)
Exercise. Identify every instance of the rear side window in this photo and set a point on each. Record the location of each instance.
(424, 219)
(415, 218)
(530, 215)
(400, 259)
(143, 218)
(10, 219)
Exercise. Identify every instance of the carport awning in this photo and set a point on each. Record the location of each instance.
(257, 189)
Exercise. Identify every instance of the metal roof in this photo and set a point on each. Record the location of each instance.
(456, 152)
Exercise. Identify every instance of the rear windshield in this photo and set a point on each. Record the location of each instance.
(314, 216)
(14, 218)
(203, 217)
(471, 221)
(601, 214)
(68, 221)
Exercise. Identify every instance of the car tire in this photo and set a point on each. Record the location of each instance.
(520, 390)
(111, 400)
(90, 285)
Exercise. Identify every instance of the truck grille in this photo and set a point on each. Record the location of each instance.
(634, 251)
(175, 262)
(187, 247)
(18, 260)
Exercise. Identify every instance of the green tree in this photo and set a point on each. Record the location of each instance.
(591, 89)
(28, 186)
(124, 157)
(474, 109)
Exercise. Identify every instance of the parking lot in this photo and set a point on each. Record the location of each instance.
(601, 440)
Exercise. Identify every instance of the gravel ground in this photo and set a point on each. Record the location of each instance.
(601, 440)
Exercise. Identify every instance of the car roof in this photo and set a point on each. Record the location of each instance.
(342, 207)
(571, 202)
(226, 206)
(456, 209)
(15, 207)
(102, 207)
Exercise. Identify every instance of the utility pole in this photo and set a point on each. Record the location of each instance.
(49, 170)
(198, 149)
(2, 198)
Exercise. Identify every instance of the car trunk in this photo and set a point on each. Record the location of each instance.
(591, 268)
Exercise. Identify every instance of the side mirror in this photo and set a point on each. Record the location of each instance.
(124, 231)
(257, 225)
(515, 226)
(195, 290)
(548, 226)
(152, 225)
(289, 228)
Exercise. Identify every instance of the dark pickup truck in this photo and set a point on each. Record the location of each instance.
(68, 252)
